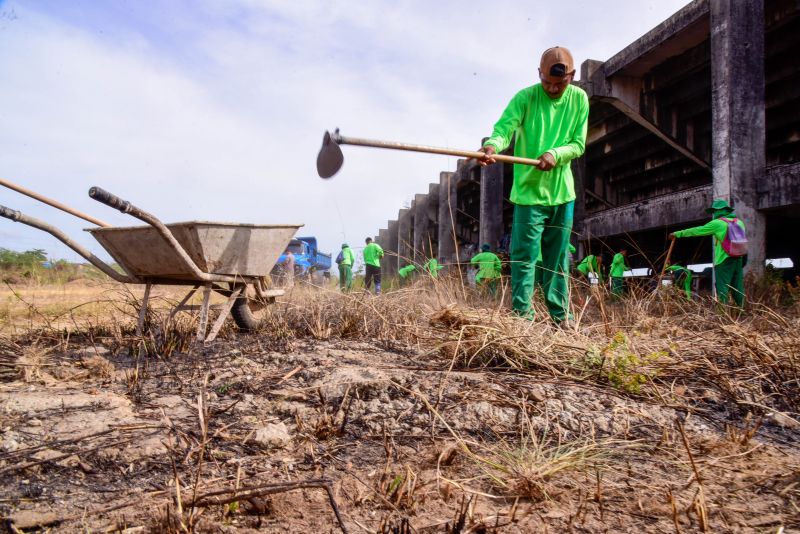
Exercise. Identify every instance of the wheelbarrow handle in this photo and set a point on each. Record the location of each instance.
(109, 199)
(8, 213)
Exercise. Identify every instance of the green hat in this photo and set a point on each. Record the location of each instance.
(486, 247)
(719, 206)
(345, 245)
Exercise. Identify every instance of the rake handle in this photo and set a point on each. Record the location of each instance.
(49, 201)
(666, 262)
(341, 140)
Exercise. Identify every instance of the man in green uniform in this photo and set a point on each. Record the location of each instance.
(591, 264)
(406, 272)
(346, 268)
(372, 261)
(549, 122)
(618, 267)
(682, 277)
(489, 269)
(432, 267)
(728, 270)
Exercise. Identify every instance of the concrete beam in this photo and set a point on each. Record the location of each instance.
(781, 188)
(491, 207)
(737, 96)
(625, 107)
(448, 202)
(682, 31)
(674, 209)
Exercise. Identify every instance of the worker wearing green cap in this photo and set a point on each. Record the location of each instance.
(728, 269)
(548, 122)
(490, 269)
(346, 268)
(682, 277)
(619, 265)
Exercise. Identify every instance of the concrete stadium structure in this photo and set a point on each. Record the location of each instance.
(705, 105)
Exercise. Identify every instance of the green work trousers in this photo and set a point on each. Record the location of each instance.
(546, 228)
(730, 280)
(489, 285)
(345, 277)
(617, 286)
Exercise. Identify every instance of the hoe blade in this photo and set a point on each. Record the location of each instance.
(330, 158)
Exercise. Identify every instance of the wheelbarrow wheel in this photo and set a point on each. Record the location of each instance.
(249, 309)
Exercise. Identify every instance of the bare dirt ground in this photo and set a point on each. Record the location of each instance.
(278, 431)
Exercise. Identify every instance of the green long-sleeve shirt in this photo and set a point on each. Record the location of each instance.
(432, 267)
(489, 266)
(348, 257)
(373, 254)
(589, 265)
(406, 271)
(618, 266)
(717, 228)
(542, 124)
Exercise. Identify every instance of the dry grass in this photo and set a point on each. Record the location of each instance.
(653, 351)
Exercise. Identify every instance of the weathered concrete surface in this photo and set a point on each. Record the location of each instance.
(781, 187)
(422, 237)
(674, 209)
(447, 206)
(491, 209)
(737, 96)
(662, 42)
(389, 262)
(405, 237)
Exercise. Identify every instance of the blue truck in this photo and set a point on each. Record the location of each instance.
(307, 258)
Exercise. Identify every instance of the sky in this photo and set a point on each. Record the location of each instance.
(215, 109)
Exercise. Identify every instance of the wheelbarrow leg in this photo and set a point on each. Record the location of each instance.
(223, 314)
(143, 310)
(201, 328)
(182, 303)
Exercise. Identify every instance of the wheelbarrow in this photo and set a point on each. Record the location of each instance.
(228, 258)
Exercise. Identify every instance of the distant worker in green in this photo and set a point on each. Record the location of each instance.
(407, 272)
(345, 259)
(617, 272)
(490, 269)
(432, 267)
(372, 261)
(681, 277)
(592, 264)
(548, 122)
(730, 247)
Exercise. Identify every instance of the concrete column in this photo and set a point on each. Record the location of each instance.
(491, 207)
(390, 251)
(737, 111)
(447, 216)
(421, 247)
(382, 240)
(405, 221)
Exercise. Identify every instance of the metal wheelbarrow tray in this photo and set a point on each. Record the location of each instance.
(237, 250)
(229, 258)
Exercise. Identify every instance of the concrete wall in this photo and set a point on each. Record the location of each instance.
(705, 105)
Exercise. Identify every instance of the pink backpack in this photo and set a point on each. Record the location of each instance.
(735, 243)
